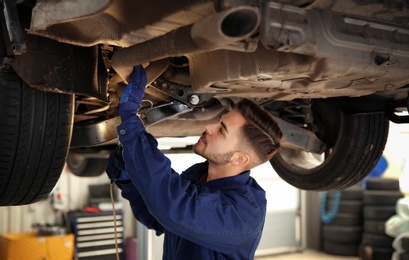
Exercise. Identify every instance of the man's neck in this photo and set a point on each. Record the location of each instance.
(215, 172)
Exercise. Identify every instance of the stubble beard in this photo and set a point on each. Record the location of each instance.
(216, 159)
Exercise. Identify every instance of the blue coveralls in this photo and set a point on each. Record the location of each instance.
(219, 219)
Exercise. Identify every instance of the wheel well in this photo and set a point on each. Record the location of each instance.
(53, 66)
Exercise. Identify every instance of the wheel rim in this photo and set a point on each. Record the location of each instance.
(355, 144)
(302, 159)
(304, 162)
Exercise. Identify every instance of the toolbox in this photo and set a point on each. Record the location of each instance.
(95, 235)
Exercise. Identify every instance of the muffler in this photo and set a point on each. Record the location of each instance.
(213, 32)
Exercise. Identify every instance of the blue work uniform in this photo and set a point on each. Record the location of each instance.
(219, 219)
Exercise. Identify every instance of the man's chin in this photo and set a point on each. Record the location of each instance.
(196, 149)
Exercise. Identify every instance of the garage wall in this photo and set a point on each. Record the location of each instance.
(74, 197)
(397, 155)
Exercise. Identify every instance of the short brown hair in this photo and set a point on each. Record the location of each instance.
(260, 131)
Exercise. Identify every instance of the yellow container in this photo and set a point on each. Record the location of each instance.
(29, 246)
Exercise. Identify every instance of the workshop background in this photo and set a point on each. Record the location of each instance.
(77, 221)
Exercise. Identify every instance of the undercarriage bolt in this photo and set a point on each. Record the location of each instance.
(194, 99)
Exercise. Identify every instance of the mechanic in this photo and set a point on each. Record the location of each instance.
(214, 209)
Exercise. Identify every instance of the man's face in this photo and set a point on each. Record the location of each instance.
(219, 141)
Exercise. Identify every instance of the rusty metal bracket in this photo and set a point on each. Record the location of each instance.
(161, 113)
(14, 29)
(390, 112)
(181, 93)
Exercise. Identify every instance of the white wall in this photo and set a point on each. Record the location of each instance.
(396, 153)
(75, 193)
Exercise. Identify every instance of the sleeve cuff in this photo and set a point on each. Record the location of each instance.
(129, 128)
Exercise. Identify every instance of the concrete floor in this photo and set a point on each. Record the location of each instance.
(306, 255)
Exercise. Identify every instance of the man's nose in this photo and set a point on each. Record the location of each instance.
(209, 129)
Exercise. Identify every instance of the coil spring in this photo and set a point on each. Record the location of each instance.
(298, 113)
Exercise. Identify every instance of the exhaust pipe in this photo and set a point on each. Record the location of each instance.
(213, 32)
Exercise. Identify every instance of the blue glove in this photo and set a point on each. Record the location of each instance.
(116, 166)
(131, 100)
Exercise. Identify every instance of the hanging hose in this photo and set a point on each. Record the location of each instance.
(111, 192)
(329, 216)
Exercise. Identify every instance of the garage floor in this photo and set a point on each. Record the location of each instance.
(306, 255)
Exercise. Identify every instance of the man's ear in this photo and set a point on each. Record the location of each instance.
(241, 159)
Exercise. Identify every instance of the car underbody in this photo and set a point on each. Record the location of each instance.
(332, 73)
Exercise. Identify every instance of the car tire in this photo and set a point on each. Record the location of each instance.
(82, 166)
(360, 141)
(342, 234)
(376, 240)
(381, 197)
(347, 219)
(405, 243)
(35, 133)
(376, 183)
(353, 193)
(340, 249)
(368, 252)
(378, 212)
(350, 206)
(374, 226)
(401, 256)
